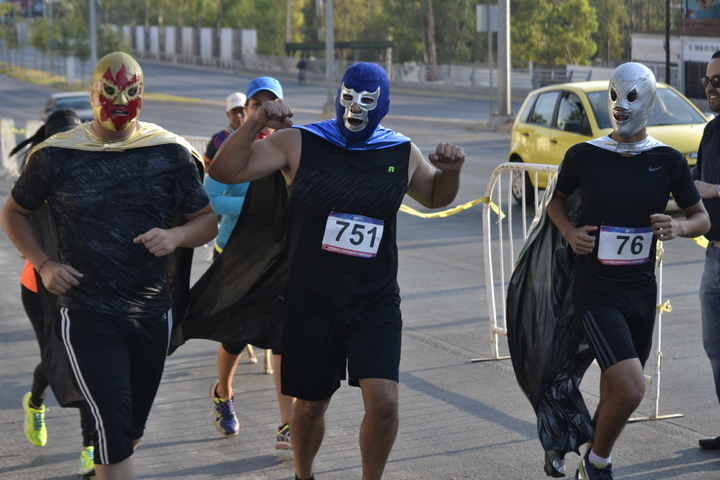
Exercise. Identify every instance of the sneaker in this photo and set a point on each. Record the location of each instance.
(283, 438)
(87, 461)
(588, 470)
(35, 429)
(224, 417)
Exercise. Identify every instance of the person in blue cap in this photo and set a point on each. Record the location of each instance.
(228, 200)
(347, 177)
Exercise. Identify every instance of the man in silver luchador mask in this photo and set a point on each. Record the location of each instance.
(625, 180)
(630, 99)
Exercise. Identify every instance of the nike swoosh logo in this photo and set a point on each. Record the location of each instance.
(651, 169)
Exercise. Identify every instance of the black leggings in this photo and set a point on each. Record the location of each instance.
(40, 383)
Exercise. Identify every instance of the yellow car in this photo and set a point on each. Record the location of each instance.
(554, 118)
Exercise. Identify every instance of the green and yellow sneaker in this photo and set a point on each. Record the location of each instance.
(35, 430)
(87, 461)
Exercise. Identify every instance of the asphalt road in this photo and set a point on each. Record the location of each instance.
(459, 420)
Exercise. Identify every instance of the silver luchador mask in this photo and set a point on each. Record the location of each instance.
(630, 98)
(367, 101)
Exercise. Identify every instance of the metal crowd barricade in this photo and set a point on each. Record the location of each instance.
(505, 227)
(504, 234)
(198, 143)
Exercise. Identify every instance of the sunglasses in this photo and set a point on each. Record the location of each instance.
(714, 81)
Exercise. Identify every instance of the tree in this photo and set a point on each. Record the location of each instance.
(40, 35)
(554, 32)
(610, 36)
(110, 40)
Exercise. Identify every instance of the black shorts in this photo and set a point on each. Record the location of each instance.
(118, 363)
(316, 350)
(237, 348)
(618, 322)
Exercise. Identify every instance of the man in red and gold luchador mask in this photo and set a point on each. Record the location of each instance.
(121, 183)
(116, 91)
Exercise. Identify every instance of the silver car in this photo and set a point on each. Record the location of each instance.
(78, 101)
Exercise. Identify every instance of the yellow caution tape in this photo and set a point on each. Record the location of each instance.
(18, 130)
(702, 241)
(665, 307)
(454, 210)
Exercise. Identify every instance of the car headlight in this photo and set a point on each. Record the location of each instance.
(692, 155)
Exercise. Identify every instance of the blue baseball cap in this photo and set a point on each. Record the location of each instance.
(264, 83)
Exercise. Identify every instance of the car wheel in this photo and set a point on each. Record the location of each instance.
(518, 179)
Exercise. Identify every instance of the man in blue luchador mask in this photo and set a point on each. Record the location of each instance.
(347, 177)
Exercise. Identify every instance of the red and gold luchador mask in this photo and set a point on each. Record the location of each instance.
(116, 91)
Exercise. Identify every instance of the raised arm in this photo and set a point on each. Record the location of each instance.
(242, 159)
(435, 184)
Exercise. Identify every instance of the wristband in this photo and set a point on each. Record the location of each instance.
(42, 264)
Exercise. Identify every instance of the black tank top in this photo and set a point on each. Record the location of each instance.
(336, 271)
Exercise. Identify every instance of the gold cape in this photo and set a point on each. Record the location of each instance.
(145, 135)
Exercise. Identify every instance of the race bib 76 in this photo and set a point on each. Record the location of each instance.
(624, 246)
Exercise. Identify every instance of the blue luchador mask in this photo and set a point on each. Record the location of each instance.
(362, 101)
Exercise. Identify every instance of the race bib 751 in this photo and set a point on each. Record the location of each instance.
(354, 235)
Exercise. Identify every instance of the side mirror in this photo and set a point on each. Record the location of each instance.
(577, 127)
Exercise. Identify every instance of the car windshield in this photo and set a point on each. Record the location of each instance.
(73, 103)
(669, 109)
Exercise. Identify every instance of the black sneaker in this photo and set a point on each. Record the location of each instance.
(588, 471)
(710, 443)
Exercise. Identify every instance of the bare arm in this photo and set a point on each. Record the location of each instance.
(435, 184)
(57, 278)
(579, 238)
(200, 227)
(696, 223)
(707, 190)
(242, 159)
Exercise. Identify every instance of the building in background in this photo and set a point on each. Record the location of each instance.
(691, 46)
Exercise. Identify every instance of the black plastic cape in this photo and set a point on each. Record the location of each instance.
(237, 300)
(547, 347)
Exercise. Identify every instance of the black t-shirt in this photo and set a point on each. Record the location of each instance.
(707, 169)
(101, 201)
(620, 191)
(366, 186)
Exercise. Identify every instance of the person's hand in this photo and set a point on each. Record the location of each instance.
(274, 114)
(58, 278)
(448, 157)
(580, 239)
(664, 227)
(158, 241)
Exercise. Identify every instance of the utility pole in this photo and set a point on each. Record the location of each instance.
(503, 58)
(329, 107)
(93, 34)
(287, 23)
(667, 42)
